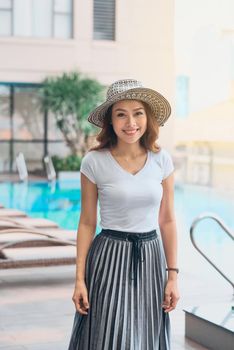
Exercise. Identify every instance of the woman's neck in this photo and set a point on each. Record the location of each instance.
(128, 151)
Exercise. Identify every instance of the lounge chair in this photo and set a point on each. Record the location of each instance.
(49, 166)
(13, 232)
(27, 222)
(11, 213)
(29, 242)
(22, 224)
(31, 248)
(21, 167)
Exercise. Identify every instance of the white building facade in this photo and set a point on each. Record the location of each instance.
(107, 40)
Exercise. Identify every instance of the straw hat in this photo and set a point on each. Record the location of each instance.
(131, 89)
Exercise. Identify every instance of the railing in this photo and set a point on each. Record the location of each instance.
(226, 230)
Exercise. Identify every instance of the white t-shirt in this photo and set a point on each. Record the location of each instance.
(128, 202)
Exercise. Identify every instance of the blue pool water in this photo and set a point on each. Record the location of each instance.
(59, 202)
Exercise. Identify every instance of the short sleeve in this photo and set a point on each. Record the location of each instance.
(168, 166)
(87, 167)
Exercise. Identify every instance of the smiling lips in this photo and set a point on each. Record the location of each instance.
(131, 132)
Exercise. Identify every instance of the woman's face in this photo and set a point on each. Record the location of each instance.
(129, 120)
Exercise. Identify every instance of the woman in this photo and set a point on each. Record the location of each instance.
(125, 284)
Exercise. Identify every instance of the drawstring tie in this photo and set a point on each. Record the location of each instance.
(136, 253)
(137, 247)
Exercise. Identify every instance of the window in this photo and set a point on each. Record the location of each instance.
(104, 19)
(5, 17)
(36, 18)
(182, 96)
(27, 117)
(25, 128)
(62, 13)
(5, 121)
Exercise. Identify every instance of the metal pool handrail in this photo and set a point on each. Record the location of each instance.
(226, 230)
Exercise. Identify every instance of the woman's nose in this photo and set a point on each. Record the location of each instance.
(131, 120)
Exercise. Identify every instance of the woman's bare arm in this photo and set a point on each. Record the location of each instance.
(87, 224)
(167, 224)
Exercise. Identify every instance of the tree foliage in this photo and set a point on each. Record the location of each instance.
(71, 97)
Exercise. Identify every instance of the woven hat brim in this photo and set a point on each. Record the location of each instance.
(159, 105)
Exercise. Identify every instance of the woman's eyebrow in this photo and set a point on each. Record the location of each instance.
(124, 110)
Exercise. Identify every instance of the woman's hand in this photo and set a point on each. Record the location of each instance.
(80, 298)
(171, 296)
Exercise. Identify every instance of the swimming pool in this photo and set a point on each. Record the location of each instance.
(61, 202)
(58, 201)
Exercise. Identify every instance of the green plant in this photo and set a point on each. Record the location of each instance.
(70, 98)
(69, 163)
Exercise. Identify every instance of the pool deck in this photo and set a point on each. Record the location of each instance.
(37, 310)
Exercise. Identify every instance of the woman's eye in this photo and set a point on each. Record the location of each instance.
(123, 115)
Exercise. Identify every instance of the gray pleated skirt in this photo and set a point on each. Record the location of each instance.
(125, 277)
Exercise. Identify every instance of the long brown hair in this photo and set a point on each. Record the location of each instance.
(108, 139)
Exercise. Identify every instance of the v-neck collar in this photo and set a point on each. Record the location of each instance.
(114, 161)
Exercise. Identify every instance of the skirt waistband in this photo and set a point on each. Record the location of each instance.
(136, 238)
(130, 236)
